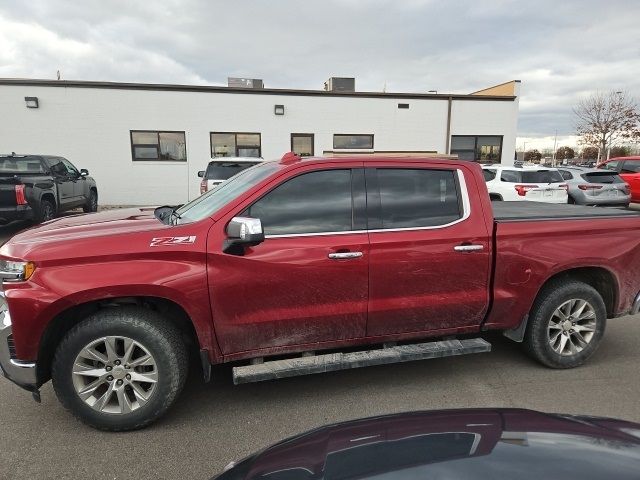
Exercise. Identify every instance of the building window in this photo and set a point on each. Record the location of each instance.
(355, 142)
(233, 144)
(302, 144)
(480, 148)
(150, 145)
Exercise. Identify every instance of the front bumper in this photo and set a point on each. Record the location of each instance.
(19, 372)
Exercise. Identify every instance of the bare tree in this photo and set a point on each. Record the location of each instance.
(605, 119)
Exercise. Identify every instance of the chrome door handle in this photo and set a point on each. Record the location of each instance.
(344, 255)
(468, 248)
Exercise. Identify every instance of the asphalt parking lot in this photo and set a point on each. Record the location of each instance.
(212, 424)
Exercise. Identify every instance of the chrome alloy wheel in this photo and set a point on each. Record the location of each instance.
(571, 327)
(115, 375)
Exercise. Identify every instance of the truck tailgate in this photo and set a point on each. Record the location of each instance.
(8, 191)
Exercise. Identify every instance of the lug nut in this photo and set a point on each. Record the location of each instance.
(117, 362)
(110, 378)
(128, 377)
(109, 367)
(119, 382)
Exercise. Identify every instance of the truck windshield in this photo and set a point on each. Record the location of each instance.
(225, 170)
(209, 203)
(17, 165)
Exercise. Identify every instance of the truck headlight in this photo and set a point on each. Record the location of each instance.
(12, 271)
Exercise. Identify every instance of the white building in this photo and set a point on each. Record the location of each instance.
(144, 144)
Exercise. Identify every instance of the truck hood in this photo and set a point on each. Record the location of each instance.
(76, 228)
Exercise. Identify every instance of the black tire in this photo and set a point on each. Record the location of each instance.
(495, 198)
(163, 342)
(46, 211)
(92, 202)
(537, 336)
(571, 200)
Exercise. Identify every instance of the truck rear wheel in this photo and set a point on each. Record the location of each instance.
(121, 369)
(566, 324)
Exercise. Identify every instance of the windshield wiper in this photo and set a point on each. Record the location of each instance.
(174, 216)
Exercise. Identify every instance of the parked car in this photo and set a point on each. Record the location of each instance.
(629, 170)
(536, 184)
(222, 169)
(292, 257)
(38, 187)
(592, 186)
(479, 444)
(588, 163)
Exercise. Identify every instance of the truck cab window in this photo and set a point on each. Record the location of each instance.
(413, 198)
(314, 202)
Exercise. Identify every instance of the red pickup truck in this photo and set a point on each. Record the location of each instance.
(302, 266)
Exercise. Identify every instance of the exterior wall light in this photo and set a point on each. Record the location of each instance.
(32, 102)
(278, 109)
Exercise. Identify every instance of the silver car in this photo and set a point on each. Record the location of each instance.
(593, 186)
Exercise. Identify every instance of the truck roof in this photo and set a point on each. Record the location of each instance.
(368, 157)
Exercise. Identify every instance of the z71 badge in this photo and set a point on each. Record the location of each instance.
(161, 241)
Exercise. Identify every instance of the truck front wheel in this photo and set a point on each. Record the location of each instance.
(566, 324)
(121, 369)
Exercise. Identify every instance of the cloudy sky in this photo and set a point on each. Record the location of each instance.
(560, 49)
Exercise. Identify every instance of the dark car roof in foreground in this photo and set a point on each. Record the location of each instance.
(460, 444)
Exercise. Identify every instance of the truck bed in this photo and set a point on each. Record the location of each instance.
(522, 211)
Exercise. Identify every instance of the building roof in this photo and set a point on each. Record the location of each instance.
(32, 82)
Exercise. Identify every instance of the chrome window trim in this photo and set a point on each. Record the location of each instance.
(466, 213)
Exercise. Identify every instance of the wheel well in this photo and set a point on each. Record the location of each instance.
(65, 321)
(495, 196)
(599, 278)
(50, 197)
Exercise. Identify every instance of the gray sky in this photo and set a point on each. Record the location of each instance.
(560, 49)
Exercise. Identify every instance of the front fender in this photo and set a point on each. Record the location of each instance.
(55, 289)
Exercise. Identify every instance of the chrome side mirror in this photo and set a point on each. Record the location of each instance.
(243, 232)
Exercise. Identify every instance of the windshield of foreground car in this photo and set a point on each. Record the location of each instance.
(209, 203)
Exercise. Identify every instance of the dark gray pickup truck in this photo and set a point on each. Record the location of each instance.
(37, 187)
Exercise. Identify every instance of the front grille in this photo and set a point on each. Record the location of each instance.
(12, 347)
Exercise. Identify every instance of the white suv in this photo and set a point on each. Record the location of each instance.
(223, 168)
(537, 184)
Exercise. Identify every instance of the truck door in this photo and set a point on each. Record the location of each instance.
(65, 184)
(79, 183)
(429, 250)
(307, 283)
